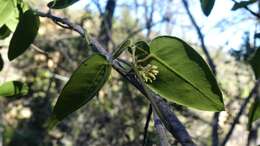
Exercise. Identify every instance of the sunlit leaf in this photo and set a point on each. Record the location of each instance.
(184, 77)
(207, 6)
(7, 8)
(61, 4)
(12, 23)
(13, 20)
(255, 63)
(13, 89)
(24, 34)
(242, 4)
(254, 112)
(83, 85)
(4, 32)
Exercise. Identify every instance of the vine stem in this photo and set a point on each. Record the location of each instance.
(157, 122)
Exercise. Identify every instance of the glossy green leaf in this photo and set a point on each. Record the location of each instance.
(83, 85)
(25, 33)
(184, 77)
(255, 63)
(254, 113)
(13, 89)
(242, 4)
(4, 32)
(7, 8)
(207, 6)
(61, 4)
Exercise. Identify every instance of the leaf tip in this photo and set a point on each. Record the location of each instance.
(207, 6)
(207, 14)
(50, 4)
(11, 56)
(222, 108)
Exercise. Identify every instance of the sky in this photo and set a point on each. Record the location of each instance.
(230, 25)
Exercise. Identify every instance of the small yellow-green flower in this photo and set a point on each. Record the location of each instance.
(149, 72)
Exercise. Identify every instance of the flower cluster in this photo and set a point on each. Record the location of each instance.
(148, 72)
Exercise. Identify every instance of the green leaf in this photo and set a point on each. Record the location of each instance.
(61, 4)
(142, 49)
(255, 63)
(122, 47)
(254, 112)
(184, 77)
(83, 85)
(207, 6)
(4, 32)
(13, 20)
(242, 4)
(24, 34)
(13, 89)
(7, 8)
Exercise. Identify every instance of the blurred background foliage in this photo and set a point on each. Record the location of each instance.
(117, 115)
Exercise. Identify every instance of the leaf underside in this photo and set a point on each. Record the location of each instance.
(83, 85)
(184, 77)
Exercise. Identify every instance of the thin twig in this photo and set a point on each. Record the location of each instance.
(242, 108)
(62, 22)
(249, 10)
(148, 118)
(39, 50)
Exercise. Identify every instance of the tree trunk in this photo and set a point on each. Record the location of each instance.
(106, 24)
